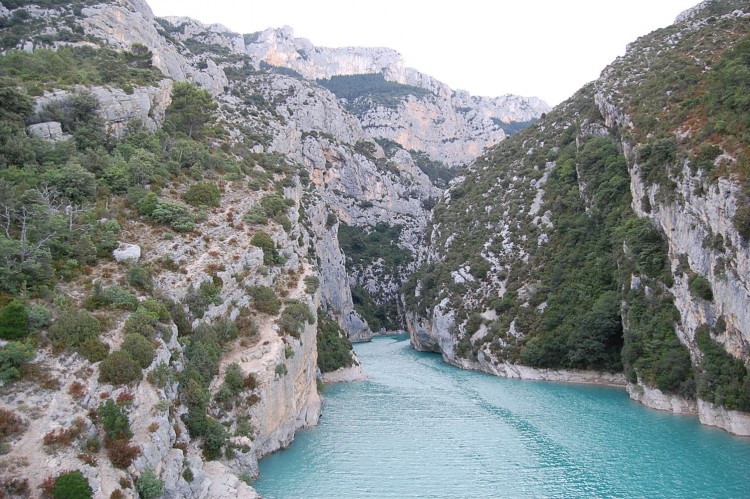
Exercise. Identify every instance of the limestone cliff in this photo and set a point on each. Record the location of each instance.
(293, 165)
(122, 23)
(450, 126)
(117, 108)
(356, 179)
(609, 236)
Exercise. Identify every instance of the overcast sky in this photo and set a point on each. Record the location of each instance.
(546, 48)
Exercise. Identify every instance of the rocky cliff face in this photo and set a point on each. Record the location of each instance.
(450, 126)
(279, 402)
(696, 212)
(359, 181)
(282, 134)
(644, 198)
(116, 108)
(120, 24)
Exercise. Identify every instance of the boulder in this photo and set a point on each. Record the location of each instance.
(49, 130)
(127, 253)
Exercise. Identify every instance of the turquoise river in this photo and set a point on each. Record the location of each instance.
(421, 428)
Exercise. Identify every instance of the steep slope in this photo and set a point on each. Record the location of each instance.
(416, 111)
(612, 235)
(121, 147)
(173, 211)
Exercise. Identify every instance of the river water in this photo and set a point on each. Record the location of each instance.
(421, 428)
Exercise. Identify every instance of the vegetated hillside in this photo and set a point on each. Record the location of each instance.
(139, 373)
(175, 361)
(612, 235)
(171, 275)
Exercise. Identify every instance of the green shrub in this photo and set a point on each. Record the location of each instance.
(139, 277)
(264, 300)
(39, 317)
(256, 215)
(312, 283)
(155, 308)
(161, 375)
(655, 156)
(364, 246)
(79, 65)
(93, 349)
(114, 420)
(244, 428)
(225, 330)
(196, 397)
(334, 347)
(73, 327)
(198, 300)
(245, 323)
(292, 319)
(180, 319)
(371, 89)
(700, 287)
(112, 297)
(119, 368)
(146, 202)
(647, 246)
(233, 378)
(723, 379)
(92, 444)
(202, 194)
(14, 321)
(652, 349)
(72, 182)
(741, 221)
(379, 245)
(281, 369)
(225, 397)
(163, 405)
(141, 322)
(139, 348)
(148, 485)
(190, 111)
(196, 303)
(120, 298)
(263, 241)
(284, 221)
(204, 352)
(72, 485)
(273, 204)
(176, 215)
(187, 474)
(215, 437)
(211, 290)
(13, 356)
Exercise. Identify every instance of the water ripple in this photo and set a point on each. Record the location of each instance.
(421, 428)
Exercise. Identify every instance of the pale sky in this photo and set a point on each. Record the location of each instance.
(545, 48)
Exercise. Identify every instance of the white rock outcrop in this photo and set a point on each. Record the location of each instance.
(656, 399)
(345, 375)
(127, 252)
(124, 22)
(116, 108)
(49, 130)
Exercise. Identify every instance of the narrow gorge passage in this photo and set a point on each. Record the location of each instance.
(422, 428)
